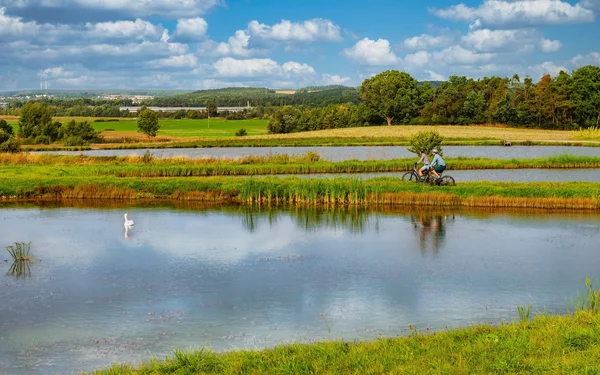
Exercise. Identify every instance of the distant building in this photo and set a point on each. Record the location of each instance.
(175, 109)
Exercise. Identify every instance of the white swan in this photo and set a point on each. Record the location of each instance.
(128, 222)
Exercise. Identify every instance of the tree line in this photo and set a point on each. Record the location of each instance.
(567, 101)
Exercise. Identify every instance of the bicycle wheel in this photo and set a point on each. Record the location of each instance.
(410, 176)
(431, 180)
(447, 181)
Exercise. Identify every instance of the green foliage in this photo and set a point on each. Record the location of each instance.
(81, 130)
(426, 140)
(147, 123)
(212, 109)
(394, 95)
(9, 145)
(20, 251)
(285, 120)
(589, 300)
(148, 157)
(524, 312)
(241, 133)
(74, 140)
(6, 128)
(35, 120)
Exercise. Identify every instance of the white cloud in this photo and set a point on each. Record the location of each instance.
(461, 56)
(591, 4)
(551, 68)
(313, 30)
(418, 59)
(137, 29)
(191, 28)
(433, 76)
(236, 45)
(181, 61)
(549, 46)
(426, 41)
(589, 59)
(230, 67)
(500, 13)
(329, 79)
(486, 40)
(371, 52)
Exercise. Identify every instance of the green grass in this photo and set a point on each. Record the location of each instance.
(192, 128)
(184, 128)
(254, 165)
(547, 345)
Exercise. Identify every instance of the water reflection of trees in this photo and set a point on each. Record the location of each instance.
(354, 219)
(430, 230)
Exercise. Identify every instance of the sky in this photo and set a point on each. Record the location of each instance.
(206, 44)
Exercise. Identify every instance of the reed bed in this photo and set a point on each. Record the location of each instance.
(297, 191)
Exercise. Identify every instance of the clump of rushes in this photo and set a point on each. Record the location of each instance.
(20, 251)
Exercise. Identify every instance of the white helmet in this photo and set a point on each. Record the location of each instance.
(434, 151)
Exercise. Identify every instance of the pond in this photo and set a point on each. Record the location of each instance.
(236, 277)
(355, 152)
(492, 175)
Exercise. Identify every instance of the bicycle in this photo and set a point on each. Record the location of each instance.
(428, 178)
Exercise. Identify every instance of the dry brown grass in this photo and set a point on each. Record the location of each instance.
(492, 132)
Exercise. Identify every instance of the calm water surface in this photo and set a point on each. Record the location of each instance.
(237, 278)
(358, 152)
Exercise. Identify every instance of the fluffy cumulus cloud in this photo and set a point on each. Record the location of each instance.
(286, 31)
(589, 59)
(236, 45)
(426, 41)
(230, 67)
(550, 46)
(191, 29)
(335, 79)
(520, 13)
(372, 53)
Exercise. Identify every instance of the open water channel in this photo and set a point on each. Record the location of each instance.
(237, 277)
(354, 152)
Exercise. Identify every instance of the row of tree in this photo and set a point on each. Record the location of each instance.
(561, 102)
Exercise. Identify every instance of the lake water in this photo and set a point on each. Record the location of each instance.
(358, 152)
(492, 175)
(241, 278)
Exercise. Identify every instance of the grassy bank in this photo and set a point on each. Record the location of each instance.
(548, 344)
(272, 190)
(133, 166)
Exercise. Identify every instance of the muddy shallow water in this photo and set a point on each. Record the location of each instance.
(243, 278)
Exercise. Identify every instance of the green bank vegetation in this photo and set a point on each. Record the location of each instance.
(310, 162)
(567, 344)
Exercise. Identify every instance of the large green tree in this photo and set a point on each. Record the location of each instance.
(147, 122)
(5, 127)
(36, 120)
(586, 95)
(392, 94)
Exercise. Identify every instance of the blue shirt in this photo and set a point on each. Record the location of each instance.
(437, 160)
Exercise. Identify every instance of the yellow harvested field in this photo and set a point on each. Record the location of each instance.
(449, 132)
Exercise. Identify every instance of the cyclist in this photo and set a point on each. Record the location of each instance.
(425, 160)
(438, 165)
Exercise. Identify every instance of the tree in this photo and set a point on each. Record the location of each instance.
(284, 120)
(425, 140)
(35, 120)
(392, 94)
(212, 109)
(586, 95)
(147, 122)
(6, 128)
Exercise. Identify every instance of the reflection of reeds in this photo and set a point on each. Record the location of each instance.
(20, 269)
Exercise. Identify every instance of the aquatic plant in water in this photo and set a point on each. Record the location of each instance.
(20, 251)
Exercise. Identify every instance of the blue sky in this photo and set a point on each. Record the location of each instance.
(201, 44)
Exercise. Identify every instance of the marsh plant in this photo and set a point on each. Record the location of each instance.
(20, 269)
(524, 312)
(20, 251)
(589, 300)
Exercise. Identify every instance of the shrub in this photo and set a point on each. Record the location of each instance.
(82, 130)
(6, 128)
(427, 140)
(284, 120)
(42, 140)
(147, 122)
(242, 132)
(11, 145)
(74, 140)
(4, 137)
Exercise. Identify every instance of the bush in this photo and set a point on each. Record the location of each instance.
(75, 140)
(426, 140)
(42, 140)
(4, 137)
(6, 128)
(147, 122)
(82, 130)
(242, 132)
(284, 120)
(11, 145)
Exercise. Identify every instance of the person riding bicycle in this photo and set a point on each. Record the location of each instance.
(438, 165)
(425, 160)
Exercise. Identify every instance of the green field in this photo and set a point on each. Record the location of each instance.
(183, 128)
